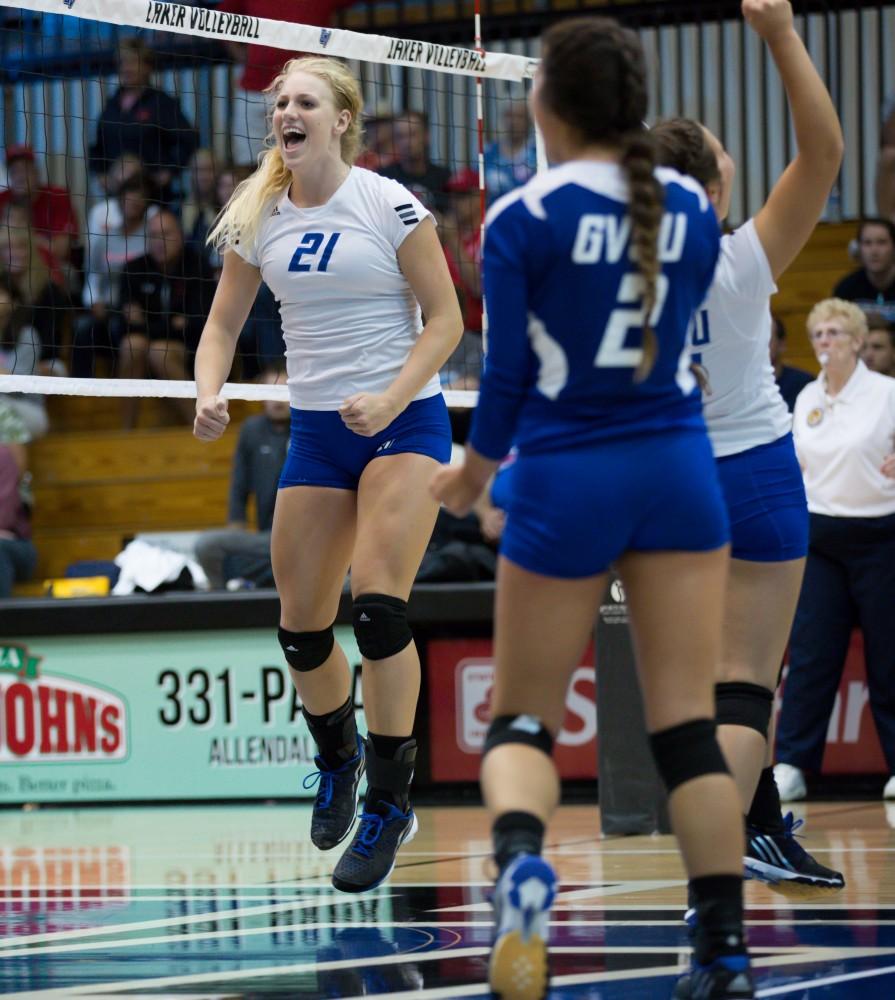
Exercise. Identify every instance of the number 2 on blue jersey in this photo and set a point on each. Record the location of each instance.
(309, 247)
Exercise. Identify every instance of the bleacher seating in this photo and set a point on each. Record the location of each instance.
(96, 486)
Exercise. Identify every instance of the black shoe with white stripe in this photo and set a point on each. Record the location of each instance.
(779, 857)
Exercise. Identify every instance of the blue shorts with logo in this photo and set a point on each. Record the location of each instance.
(571, 513)
(324, 452)
(766, 504)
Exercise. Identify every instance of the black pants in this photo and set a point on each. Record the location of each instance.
(849, 581)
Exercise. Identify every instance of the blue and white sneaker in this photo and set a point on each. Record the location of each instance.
(370, 857)
(727, 978)
(335, 806)
(779, 857)
(522, 899)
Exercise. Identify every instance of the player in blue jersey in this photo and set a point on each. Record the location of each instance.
(592, 272)
(750, 426)
(351, 258)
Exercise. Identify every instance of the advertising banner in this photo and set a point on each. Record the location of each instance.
(461, 673)
(172, 715)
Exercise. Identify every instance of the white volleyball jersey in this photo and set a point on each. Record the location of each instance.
(349, 316)
(841, 442)
(730, 338)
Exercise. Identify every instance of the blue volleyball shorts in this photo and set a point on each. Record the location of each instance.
(324, 452)
(765, 498)
(572, 512)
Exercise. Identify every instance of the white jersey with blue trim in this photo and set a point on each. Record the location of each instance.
(564, 297)
(730, 338)
(349, 316)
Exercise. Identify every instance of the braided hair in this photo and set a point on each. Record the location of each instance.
(682, 144)
(594, 80)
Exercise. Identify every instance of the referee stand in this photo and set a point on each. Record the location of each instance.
(632, 798)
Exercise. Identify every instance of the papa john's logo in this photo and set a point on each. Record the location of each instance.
(55, 719)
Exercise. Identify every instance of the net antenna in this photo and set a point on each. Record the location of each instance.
(147, 16)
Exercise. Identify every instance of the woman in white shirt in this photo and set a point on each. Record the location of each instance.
(844, 429)
(352, 258)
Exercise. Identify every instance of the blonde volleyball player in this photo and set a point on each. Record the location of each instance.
(352, 258)
(750, 428)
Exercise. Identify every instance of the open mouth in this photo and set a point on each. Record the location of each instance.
(293, 138)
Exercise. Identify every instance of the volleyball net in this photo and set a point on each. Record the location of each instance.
(126, 126)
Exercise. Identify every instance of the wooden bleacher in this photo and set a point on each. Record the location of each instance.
(96, 485)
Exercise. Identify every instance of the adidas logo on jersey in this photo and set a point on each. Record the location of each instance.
(386, 445)
(364, 617)
(407, 214)
(275, 211)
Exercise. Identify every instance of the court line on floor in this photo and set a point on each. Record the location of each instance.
(812, 984)
(573, 979)
(423, 926)
(192, 918)
(794, 956)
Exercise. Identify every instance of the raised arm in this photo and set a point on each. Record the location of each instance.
(797, 200)
(233, 299)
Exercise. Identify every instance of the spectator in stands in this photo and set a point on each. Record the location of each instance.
(844, 424)
(879, 345)
(872, 286)
(462, 240)
(379, 141)
(108, 252)
(145, 121)
(885, 169)
(165, 297)
(48, 209)
(201, 206)
(19, 355)
(257, 462)
(105, 213)
(46, 303)
(412, 167)
(18, 556)
(260, 64)
(512, 158)
(790, 381)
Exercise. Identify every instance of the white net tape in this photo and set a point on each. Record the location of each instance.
(183, 19)
(166, 389)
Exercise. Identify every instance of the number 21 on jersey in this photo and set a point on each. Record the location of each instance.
(310, 248)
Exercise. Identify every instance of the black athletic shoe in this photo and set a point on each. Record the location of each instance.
(727, 978)
(779, 857)
(335, 807)
(370, 857)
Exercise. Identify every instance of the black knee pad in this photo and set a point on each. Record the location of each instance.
(380, 625)
(738, 703)
(687, 751)
(306, 651)
(526, 729)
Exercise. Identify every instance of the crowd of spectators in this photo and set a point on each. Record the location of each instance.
(126, 295)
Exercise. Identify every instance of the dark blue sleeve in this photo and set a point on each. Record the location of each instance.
(508, 363)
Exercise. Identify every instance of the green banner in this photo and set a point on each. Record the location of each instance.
(155, 716)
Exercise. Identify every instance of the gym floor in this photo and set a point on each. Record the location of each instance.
(232, 901)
